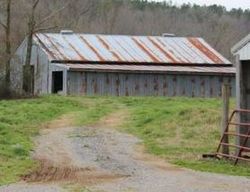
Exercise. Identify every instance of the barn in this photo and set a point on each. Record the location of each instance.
(242, 53)
(91, 64)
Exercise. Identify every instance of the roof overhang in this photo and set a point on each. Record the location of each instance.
(77, 62)
(240, 44)
(202, 70)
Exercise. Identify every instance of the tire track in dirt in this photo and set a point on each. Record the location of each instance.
(103, 159)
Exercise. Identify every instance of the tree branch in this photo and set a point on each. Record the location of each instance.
(35, 4)
(45, 29)
(3, 25)
(86, 10)
(52, 15)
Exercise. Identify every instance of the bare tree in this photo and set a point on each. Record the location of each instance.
(34, 27)
(7, 27)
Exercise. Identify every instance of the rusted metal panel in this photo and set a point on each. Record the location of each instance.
(87, 48)
(122, 84)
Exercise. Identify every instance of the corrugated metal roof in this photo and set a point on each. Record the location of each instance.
(119, 49)
(149, 68)
(240, 44)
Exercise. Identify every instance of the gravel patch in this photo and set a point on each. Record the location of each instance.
(23, 187)
(109, 161)
(115, 152)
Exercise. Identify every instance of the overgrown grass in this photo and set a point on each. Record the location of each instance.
(178, 129)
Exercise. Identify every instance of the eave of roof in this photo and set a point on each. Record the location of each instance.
(240, 44)
(151, 69)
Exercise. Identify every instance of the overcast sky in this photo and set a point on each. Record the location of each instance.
(244, 4)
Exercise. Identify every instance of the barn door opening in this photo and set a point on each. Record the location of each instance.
(57, 81)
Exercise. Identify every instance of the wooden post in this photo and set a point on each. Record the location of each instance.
(225, 113)
(240, 98)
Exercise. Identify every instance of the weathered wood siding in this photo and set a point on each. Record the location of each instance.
(243, 95)
(128, 84)
(41, 65)
(244, 52)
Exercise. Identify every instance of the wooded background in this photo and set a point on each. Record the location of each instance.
(220, 27)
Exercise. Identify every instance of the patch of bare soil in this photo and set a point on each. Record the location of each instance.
(59, 161)
(152, 160)
(84, 176)
(113, 120)
(62, 122)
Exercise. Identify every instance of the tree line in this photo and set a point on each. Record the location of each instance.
(21, 18)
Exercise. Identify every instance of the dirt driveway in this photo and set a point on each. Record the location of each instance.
(105, 160)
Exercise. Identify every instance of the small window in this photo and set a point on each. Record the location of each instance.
(57, 81)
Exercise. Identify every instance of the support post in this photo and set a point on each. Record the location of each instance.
(225, 113)
(240, 97)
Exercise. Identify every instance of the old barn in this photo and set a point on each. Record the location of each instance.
(92, 64)
(242, 53)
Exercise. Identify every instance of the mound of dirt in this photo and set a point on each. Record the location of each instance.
(48, 173)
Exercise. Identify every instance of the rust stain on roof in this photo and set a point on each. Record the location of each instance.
(56, 48)
(92, 48)
(181, 60)
(205, 50)
(78, 53)
(122, 49)
(45, 47)
(145, 50)
(168, 55)
(106, 45)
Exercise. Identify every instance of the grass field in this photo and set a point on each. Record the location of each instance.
(177, 129)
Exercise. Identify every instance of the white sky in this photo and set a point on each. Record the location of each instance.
(229, 4)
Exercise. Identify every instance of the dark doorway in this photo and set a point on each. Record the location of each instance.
(57, 81)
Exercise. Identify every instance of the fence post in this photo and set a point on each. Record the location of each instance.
(225, 113)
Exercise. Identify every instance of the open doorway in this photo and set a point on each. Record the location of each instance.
(57, 81)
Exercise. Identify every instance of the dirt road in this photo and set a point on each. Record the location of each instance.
(106, 160)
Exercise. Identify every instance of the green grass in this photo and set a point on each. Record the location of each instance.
(20, 121)
(181, 130)
(178, 129)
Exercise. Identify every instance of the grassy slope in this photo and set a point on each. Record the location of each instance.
(179, 129)
(21, 119)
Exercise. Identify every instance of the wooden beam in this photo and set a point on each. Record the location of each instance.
(225, 113)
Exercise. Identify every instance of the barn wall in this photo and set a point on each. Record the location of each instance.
(127, 84)
(41, 67)
(41, 71)
(244, 52)
(16, 68)
(243, 95)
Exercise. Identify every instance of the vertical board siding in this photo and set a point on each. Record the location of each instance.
(129, 84)
(243, 82)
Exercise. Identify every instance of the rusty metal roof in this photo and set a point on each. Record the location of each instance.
(149, 68)
(118, 49)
